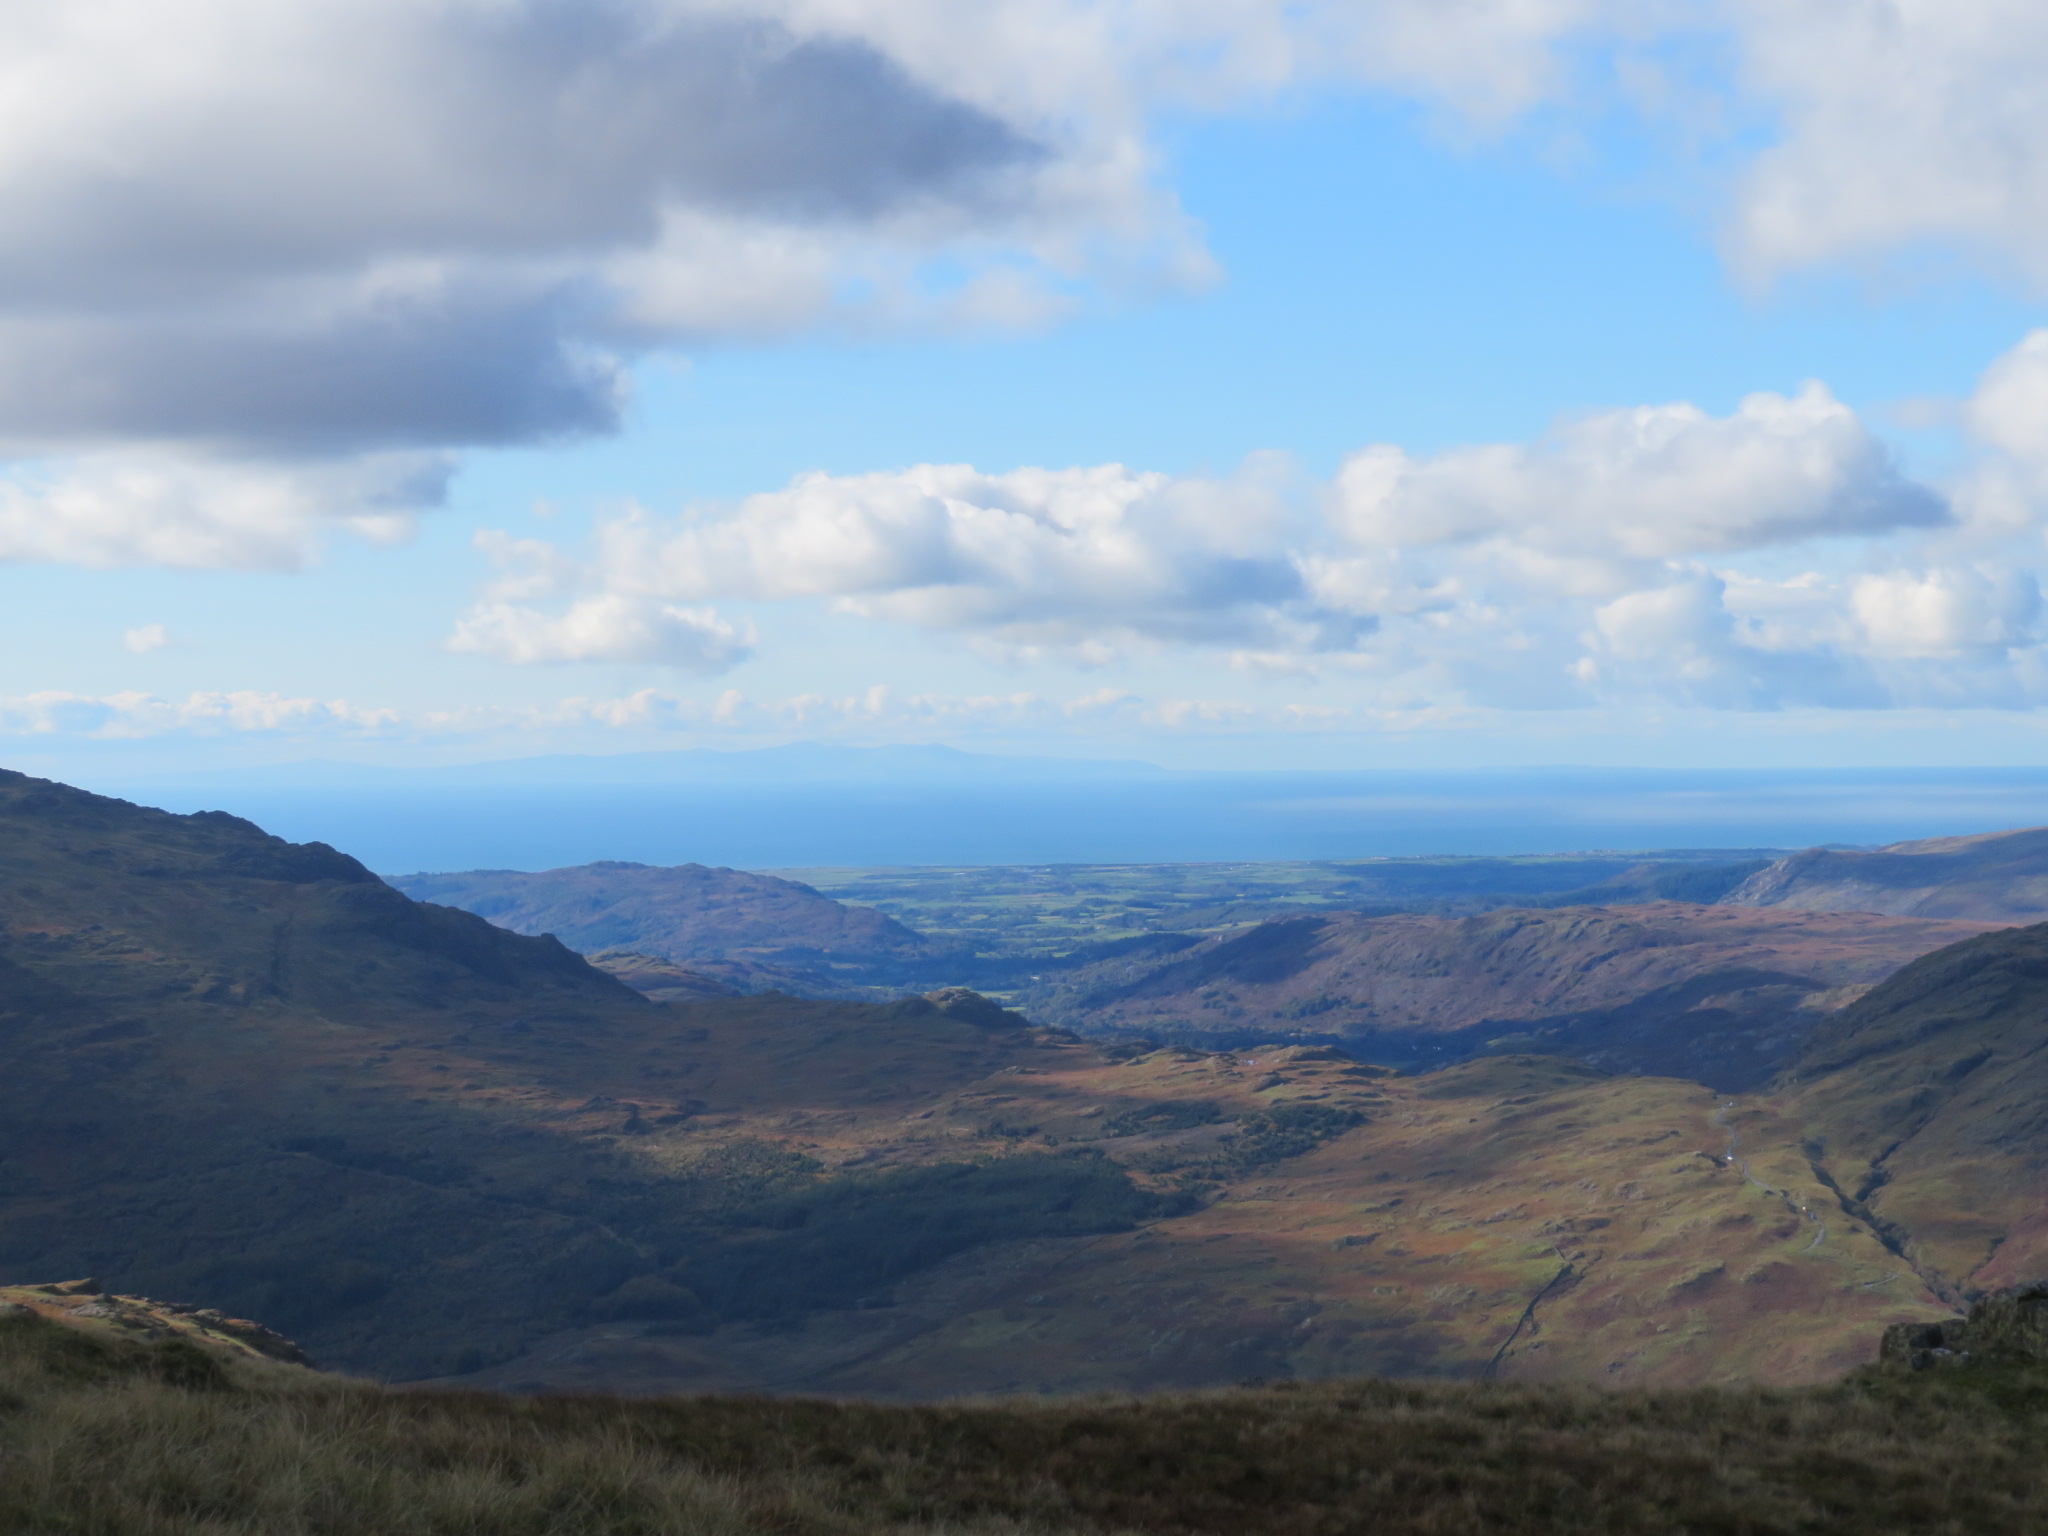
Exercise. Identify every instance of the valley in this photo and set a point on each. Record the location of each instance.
(248, 1074)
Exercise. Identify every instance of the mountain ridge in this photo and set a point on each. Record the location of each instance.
(431, 1148)
(1565, 978)
(1995, 877)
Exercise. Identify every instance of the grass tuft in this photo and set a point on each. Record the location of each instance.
(118, 1438)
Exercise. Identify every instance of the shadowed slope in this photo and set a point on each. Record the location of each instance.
(683, 913)
(1927, 1103)
(246, 1072)
(1716, 992)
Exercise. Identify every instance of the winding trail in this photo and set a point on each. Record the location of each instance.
(1741, 1163)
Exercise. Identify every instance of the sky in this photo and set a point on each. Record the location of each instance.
(1226, 383)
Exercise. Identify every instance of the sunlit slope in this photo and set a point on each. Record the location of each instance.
(1927, 1102)
(1519, 1216)
(1993, 877)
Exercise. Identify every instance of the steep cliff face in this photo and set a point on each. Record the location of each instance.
(1995, 877)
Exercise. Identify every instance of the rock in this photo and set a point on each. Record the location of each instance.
(972, 1008)
(2008, 1326)
(262, 1340)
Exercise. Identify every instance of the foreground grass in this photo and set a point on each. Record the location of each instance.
(119, 1439)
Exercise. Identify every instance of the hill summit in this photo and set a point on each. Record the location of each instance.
(686, 913)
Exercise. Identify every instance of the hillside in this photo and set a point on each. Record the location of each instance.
(1992, 878)
(245, 1075)
(1927, 1103)
(111, 1435)
(114, 1435)
(1037, 913)
(1518, 1217)
(1716, 993)
(662, 980)
(757, 923)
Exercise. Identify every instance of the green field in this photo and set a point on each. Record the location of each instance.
(1050, 909)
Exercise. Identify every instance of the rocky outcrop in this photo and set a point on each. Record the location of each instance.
(84, 1304)
(2006, 1327)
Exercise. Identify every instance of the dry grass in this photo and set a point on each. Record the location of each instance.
(140, 1440)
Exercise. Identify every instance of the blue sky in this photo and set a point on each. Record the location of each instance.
(307, 504)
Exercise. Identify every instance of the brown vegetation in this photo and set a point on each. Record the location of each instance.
(124, 1439)
(248, 1076)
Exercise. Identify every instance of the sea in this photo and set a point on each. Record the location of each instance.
(817, 807)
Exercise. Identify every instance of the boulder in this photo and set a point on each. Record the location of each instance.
(2008, 1326)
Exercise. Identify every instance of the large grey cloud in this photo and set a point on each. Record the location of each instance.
(329, 224)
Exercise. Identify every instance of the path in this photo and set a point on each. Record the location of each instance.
(1742, 1164)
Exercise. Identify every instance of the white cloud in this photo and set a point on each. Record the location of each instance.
(350, 224)
(1901, 123)
(1649, 483)
(165, 507)
(1947, 613)
(132, 715)
(1771, 558)
(1081, 562)
(2009, 409)
(145, 638)
(606, 627)
(243, 246)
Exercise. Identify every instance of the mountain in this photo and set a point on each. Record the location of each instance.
(245, 1075)
(1720, 994)
(686, 913)
(1994, 877)
(1926, 1103)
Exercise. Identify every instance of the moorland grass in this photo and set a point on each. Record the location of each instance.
(132, 1439)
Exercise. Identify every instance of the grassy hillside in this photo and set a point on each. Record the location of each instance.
(1927, 1103)
(112, 1437)
(1718, 993)
(1040, 912)
(246, 1075)
(1516, 1216)
(685, 913)
(1994, 877)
